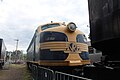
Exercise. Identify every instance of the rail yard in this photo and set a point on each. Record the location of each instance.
(60, 51)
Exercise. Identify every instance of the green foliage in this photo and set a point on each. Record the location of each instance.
(17, 55)
(25, 56)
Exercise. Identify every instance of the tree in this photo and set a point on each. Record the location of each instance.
(17, 57)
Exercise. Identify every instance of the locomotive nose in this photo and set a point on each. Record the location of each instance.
(71, 26)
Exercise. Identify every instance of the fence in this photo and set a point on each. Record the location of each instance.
(41, 73)
(64, 76)
(45, 74)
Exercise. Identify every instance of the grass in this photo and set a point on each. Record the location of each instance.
(15, 71)
(26, 74)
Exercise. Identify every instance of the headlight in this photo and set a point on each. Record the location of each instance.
(71, 26)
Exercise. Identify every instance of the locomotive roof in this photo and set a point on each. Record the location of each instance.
(61, 24)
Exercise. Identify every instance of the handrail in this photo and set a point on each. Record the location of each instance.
(42, 73)
(69, 75)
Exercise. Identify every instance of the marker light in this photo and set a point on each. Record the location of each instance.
(71, 26)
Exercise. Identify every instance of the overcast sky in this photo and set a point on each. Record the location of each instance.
(20, 18)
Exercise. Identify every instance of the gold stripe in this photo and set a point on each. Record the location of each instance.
(57, 49)
(63, 46)
(61, 62)
(54, 47)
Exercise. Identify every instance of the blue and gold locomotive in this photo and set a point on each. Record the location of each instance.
(58, 44)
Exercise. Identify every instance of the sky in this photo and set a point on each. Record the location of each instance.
(20, 18)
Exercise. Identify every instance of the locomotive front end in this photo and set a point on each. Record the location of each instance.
(62, 45)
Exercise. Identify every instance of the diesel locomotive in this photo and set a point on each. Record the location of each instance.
(58, 45)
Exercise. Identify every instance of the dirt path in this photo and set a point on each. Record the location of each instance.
(15, 72)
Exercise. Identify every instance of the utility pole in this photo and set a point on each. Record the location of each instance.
(16, 44)
(16, 48)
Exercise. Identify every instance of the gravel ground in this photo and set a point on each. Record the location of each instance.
(15, 72)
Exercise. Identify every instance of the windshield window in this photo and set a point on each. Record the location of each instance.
(49, 26)
(81, 38)
(52, 36)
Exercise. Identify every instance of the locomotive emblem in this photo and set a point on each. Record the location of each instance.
(73, 47)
